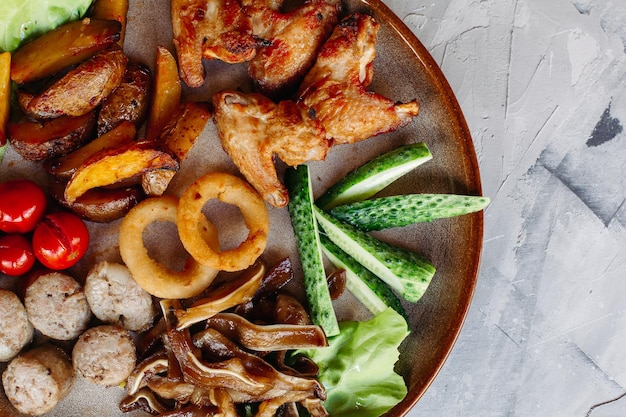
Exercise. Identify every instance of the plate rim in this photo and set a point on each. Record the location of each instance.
(462, 132)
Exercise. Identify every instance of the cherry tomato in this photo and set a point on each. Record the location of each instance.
(16, 255)
(22, 204)
(60, 240)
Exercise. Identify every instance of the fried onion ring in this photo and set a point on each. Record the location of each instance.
(152, 276)
(230, 190)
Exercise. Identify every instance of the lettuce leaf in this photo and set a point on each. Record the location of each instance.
(22, 20)
(357, 368)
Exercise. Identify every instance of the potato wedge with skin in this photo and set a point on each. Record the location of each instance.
(182, 131)
(82, 89)
(38, 141)
(112, 166)
(65, 166)
(112, 10)
(129, 101)
(155, 182)
(99, 205)
(5, 95)
(24, 97)
(67, 45)
(166, 93)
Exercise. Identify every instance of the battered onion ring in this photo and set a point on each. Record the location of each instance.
(152, 276)
(231, 190)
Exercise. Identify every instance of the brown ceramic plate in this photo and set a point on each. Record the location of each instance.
(403, 70)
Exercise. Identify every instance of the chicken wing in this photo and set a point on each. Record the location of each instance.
(335, 88)
(212, 29)
(291, 42)
(253, 130)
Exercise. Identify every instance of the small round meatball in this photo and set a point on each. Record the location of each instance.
(104, 355)
(115, 297)
(15, 329)
(57, 306)
(35, 381)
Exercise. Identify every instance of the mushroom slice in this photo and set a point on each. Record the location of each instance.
(289, 310)
(170, 388)
(298, 365)
(143, 400)
(269, 408)
(267, 338)
(228, 295)
(315, 407)
(152, 365)
(223, 350)
(232, 373)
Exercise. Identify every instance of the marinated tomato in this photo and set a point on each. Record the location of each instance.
(16, 255)
(60, 240)
(22, 204)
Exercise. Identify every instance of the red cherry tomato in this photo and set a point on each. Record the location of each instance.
(22, 204)
(60, 240)
(16, 255)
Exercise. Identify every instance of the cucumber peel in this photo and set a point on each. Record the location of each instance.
(300, 206)
(370, 290)
(373, 176)
(402, 210)
(406, 272)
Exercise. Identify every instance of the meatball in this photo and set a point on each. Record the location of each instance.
(57, 307)
(35, 381)
(104, 355)
(115, 297)
(15, 329)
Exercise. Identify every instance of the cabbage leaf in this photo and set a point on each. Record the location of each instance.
(22, 20)
(357, 368)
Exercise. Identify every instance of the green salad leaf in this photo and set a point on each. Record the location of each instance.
(357, 368)
(22, 20)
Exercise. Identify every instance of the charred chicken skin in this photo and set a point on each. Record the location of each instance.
(335, 88)
(212, 29)
(281, 46)
(253, 130)
(291, 41)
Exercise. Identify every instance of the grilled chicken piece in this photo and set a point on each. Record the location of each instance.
(335, 88)
(213, 29)
(291, 41)
(253, 129)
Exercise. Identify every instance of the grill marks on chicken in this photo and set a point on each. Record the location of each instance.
(336, 86)
(215, 29)
(333, 107)
(281, 47)
(253, 130)
(291, 42)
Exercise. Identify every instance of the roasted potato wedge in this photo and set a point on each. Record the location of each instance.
(182, 131)
(67, 45)
(5, 95)
(166, 94)
(65, 166)
(37, 141)
(23, 98)
(129, 101)
(112, 10)
(111, 166)
(155, 182)
(82, 89)
(100, 205)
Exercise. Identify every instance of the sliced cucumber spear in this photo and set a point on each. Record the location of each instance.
(373, 176)
(370, 290)
(402, 210)
(406, 272)
(298, 182)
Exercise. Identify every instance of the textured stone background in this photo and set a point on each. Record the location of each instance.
(542, 84)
